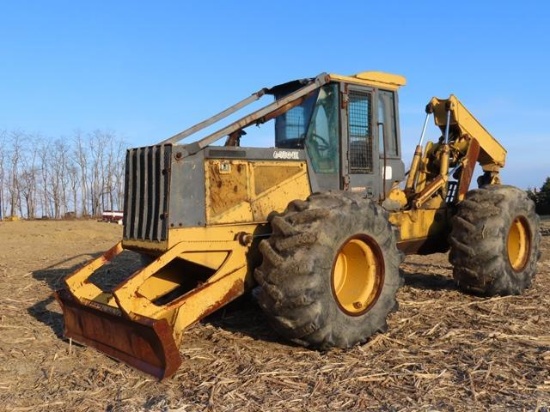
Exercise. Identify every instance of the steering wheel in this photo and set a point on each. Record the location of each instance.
(322, 143)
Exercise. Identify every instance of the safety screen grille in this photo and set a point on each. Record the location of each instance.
(359, 131)
(146, 193)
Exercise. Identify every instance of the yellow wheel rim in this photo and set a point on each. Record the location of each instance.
(519, 243)
(358, 275)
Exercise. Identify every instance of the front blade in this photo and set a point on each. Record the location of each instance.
(143, 343)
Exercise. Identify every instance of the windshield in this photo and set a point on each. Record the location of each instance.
(291, 126)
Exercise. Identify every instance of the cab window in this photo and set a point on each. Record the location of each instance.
(387, 124)
(322, 134)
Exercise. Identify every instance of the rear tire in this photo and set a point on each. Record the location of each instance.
(330, 271)
(495, 241)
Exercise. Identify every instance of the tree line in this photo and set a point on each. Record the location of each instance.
(83, 175)
(79, 176)
(541, 197)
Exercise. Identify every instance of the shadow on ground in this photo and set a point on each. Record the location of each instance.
(240, 316)
(421, 276)
(53, 276)
(244, 316)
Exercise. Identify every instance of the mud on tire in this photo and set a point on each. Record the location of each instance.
(330, 271)
(495, 241)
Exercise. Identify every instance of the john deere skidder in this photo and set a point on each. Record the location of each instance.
(318, 223)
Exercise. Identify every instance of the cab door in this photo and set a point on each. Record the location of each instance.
(361, 172)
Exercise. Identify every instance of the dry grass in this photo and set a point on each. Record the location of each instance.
(443, 351)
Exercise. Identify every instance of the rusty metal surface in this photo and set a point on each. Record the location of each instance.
(468, 169)
(143, 343)
(268, 175)
(232, 293)
(227, 186)
(242, 191)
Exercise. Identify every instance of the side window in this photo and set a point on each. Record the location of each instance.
(387, 123)
(322, 143)
(290, 127)
(359, 132)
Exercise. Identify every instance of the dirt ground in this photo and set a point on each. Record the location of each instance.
(444, 350)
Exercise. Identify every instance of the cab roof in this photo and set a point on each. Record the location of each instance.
(381, 80)
(373, 78)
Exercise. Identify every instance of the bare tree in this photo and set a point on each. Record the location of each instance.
(118, 172)
(74, 184)
(81, 156)
(58, 181)
(114, 172)
(99, 142)
(3, 145)
(28, 177)
(44, 172)
(27, 182)
(15, 153)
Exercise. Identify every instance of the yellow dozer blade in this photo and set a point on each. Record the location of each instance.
(144, 343)
(141, 320)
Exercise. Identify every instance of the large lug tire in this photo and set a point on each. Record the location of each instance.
(495, 241)
(330, 271)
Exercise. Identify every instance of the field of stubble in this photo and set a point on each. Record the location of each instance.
(443, 351)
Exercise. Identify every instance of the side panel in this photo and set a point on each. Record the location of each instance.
(187, 190)
(239, 191)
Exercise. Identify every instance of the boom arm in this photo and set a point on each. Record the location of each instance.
(464, 143)
(492, 155)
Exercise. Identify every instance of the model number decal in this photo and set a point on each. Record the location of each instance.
(286, 154)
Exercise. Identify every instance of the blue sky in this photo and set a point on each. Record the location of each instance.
(147, 70)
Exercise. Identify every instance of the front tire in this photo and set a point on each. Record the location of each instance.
(330, 271)
(495, 241)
